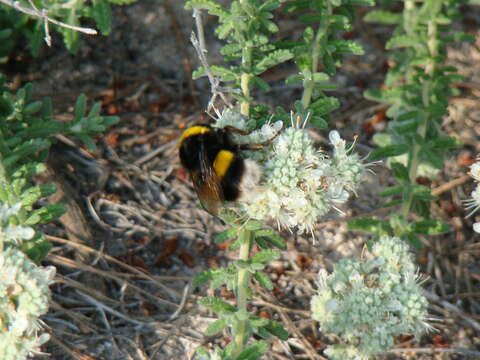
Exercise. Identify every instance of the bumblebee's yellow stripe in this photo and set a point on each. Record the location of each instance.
(222, 162)
(194, 130)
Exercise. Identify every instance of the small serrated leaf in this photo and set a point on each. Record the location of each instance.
(265, 256)
(202, 278)
(46, 214)
(430, 227)
(392, 191)
(216, 327)
(254, 351)
(263, 280)
(383, 17)
(402, 41)
(80, 107)
(400, 171)
(102, 13)
(225, 235)
(272, 59)
(277, 329)
(347, 47)
(388, 151)
(217, 305)
(364, 224)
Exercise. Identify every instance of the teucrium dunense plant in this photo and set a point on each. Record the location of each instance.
(368, 303)
(417, 89)
(300, 183)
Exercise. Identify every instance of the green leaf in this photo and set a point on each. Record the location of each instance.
(367, 225)
(325, 105)
(37, 38)
(360, 2)
(272, 59)
(5, 33)
(36, 248)
(25, 150)
(102, 13)
(318, 122)
(225, 235)
(262, 243)
(430, 227)
(230, 49)
(254, 351)
(198, 73)
(319, 77)
(71, 38)
(216, 327)
(347, 47)
(400, 171)
(263, 280)
(294, 79)
(383, 17)
(253, 225)
(388, 151)
(32, 108)
(269, 5)
(32, 194)
(28, 170)
(46, 214)
(272, 238)
(209, 5)
(392, 191)
(122, 2)
(223, 30)
(265, 256)
(402, 41)
(414, 240)
(217, 305)
(202, 278)
(80, 107)
(262, 84)
(277, 330)
(444, 142)
(257, 321)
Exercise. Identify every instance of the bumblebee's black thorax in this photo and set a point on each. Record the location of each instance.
(204, 150)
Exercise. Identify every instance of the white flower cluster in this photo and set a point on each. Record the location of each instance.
(367, 303)
(300, 182)
(473, 204)
(24, 292)
(9, 232)
(24, 296)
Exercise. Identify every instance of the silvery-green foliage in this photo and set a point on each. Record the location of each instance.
(24, 296)
(368, 302)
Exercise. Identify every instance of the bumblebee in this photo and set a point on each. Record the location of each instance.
(217, 170)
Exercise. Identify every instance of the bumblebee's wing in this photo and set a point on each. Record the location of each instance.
(207, 185)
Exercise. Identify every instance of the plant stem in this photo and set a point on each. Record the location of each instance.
(243, 279)
(240, 337)
(245, 77)
(432, 44)
(309, 84)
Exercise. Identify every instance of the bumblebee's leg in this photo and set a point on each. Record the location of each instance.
(235, 130)
(258, 146)
(252, 146)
